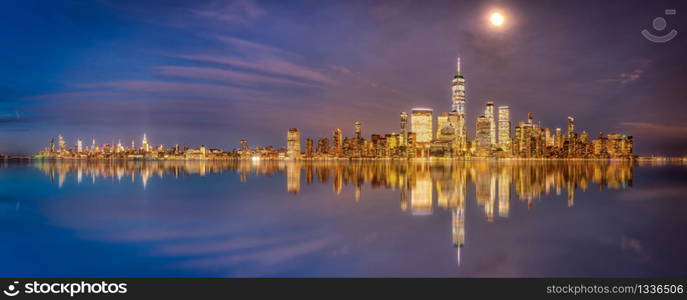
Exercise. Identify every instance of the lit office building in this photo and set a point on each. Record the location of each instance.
(442, 123)
(293, 144)
(337, 142)
(404, 129)
(144, 144)
(421, 123)
(483, 137)
(504, 129)
(489, 114)
(308, 147)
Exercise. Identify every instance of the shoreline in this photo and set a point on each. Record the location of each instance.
(635, 159)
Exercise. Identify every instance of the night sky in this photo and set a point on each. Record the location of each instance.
(212, 73)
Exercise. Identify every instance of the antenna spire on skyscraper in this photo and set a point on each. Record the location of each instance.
(458, 65)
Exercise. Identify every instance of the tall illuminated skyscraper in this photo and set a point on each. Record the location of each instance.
(358, 130)
(293, 143)
(457, 115)
(571, 126)
(308, 148)
(61, 144)
(483, 137)
(442, 121)
(404, 129)
(337, 141)
(421, 123)
(504, 129)
(458, 91)
(144, 144)
(489, 114)
(79, 146)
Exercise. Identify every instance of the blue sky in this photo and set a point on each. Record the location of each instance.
(213, 72)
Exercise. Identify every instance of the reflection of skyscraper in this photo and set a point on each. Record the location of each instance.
(504, 191)
(293, 144)
(458, 229)
(421, 193)
(485, 189)
(293, 177)
(421, 123)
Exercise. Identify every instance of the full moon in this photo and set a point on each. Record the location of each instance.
(496, 19)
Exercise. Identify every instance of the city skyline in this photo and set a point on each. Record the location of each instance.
(449, 139)
(211, 74)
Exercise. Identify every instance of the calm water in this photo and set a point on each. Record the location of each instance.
(461, 219)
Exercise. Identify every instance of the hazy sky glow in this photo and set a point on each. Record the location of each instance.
(214, 72)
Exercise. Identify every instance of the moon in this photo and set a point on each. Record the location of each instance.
(497, 19)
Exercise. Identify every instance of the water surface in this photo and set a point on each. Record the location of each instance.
(268, 218)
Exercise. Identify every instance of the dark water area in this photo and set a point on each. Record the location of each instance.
(352, 219)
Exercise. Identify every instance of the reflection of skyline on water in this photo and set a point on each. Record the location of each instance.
(423, 186)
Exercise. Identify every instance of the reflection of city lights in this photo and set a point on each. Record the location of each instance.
(420, 183)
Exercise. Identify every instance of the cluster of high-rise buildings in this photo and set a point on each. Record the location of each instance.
(146, 150)
(494, 137)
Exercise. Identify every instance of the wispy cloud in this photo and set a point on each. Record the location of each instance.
(627, 77)
(226, 76)
(170, 88)
(624, 78)
(268, 65)
(655, 129)
(250, 48)
(242, 11)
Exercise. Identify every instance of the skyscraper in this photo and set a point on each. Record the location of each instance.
(421, 123)
(504, 129)
(79, 146)
(458, 91)
(457, 115)
(483, 137)
(571, 126)
(144, 144)
(489, 114)
(404, 129)
(337, 141)
(293, 143)
(308, 148)
(442, 121)
(358, 130)
(61, 144)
